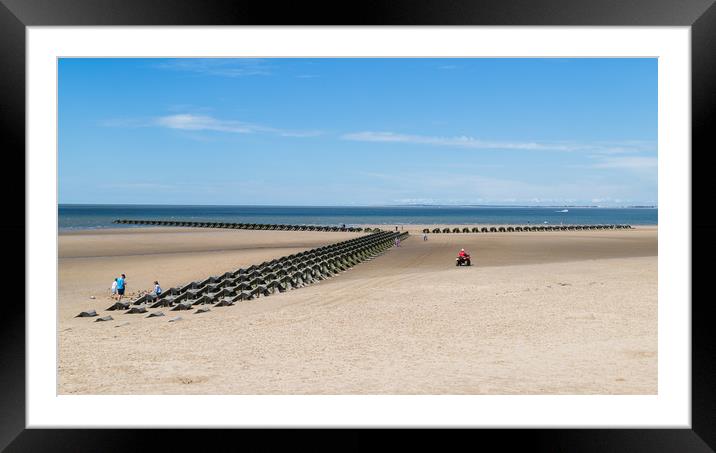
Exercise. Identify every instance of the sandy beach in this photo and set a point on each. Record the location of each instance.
(567, 312)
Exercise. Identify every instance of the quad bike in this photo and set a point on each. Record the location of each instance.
(463, 261)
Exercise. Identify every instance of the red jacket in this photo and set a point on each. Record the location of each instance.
(462, 254)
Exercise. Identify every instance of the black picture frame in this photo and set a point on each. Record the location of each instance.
(700, 15)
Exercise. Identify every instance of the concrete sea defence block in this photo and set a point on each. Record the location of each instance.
(87, 314)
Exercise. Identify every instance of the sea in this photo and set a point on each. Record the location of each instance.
(95, 216)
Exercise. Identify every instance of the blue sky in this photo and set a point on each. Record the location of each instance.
(358, 131)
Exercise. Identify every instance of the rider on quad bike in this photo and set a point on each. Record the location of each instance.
(463, 258)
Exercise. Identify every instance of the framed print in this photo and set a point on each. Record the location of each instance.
(448, 216)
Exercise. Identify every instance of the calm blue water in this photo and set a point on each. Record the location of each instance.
(101, 216)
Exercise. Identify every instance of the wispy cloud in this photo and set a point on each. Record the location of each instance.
(449, 188)
(190, 122)
(414, 201)
(459, 141)
(629, 162)
(474, 143)
(224, 67)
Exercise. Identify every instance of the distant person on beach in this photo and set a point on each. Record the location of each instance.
(121, 285)
(157, 289)
(397, 242)
(425, 236)
(463, 258)
(396, 227)
(114, 288)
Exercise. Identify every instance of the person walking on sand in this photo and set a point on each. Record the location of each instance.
(157, 289)
(121, 286)
(397, 242)
(425, 236)
(113, 290)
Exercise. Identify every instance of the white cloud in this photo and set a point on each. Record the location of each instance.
(190, 122)
(449, 188)
(460, 141)
(414, 201)
(473, 143)
(630, 163)
(224, 67)
(205, 123)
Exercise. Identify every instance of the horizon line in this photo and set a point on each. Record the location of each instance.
(636, 205)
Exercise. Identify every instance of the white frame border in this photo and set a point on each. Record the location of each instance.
(671, 407)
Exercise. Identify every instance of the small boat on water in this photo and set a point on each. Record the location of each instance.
(563, 210)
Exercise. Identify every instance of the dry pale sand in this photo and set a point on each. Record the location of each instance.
(539, 313)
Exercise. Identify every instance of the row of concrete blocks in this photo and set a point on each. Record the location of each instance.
(511, 229)
(243, 226)
(278, 275)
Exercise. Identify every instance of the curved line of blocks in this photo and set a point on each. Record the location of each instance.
(511, 229)
(281, 274)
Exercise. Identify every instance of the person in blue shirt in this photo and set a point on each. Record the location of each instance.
(121, 285)
(157, 288)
